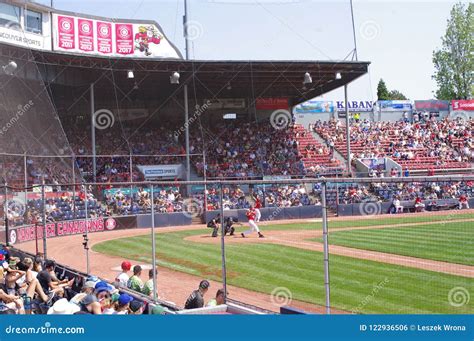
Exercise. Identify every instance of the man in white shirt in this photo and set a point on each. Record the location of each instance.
(123, 277)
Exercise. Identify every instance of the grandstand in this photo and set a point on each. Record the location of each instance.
(63, 169)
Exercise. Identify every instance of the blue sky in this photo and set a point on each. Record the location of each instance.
(397, 37)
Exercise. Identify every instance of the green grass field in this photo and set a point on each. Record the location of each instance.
(263, 267)
(450, 242)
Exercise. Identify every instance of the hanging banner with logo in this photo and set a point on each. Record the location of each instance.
(463, 104)
(123, 38)
(106, 37)
(312, 107)
(395, 105)
(66, 33)
(432, 105)
(86, 35)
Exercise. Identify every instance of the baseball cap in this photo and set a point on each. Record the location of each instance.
(103, 286)
(126, 265)
(90, 284)
(204, 284)
(124, 299)
(135, 305)
(88, 299)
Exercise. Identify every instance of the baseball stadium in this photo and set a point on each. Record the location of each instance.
(135, 180)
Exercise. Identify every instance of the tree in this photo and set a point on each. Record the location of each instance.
(384, 95)
(396, 95)
(382, 91)
(454, 61)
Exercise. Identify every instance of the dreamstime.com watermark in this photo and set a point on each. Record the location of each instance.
(200, 109)
(43, 330)
(22, 109)
(369, 298)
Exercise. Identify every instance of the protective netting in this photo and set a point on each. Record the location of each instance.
(29, 124)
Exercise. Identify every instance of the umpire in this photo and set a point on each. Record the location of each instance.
(196, 299)
(214, 224)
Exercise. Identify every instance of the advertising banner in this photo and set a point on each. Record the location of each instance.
(161, 171)
(432, 105)
(466, 104)
(311, 107)
(106, 37)
(271, 103)
(57, 229)
(396, 105)
(355, 106)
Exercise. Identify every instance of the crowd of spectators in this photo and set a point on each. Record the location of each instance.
(247, 150)
(35, 286)
(436, 143)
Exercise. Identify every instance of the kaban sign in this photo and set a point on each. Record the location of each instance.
(355, 106)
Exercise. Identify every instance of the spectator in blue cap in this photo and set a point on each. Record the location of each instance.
(123, 304)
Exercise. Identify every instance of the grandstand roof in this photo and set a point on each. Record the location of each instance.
(251, 79)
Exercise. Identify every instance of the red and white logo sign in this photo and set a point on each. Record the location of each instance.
(124, 38)
(110, 224)
(271, 103)
(467, 105)
(104, 37)
(86, 35)
(66, 32)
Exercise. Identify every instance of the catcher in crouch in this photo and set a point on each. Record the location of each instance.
(253, 226)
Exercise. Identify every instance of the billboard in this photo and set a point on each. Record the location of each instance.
(109, 38)
(463, 104)
(161, 171)
(355, 106)
(312, 107)
(432, 105)
(271, 103)
(395, 105)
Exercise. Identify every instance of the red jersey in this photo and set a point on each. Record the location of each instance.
(258, 204)
(417, 200)
(250, 215)
(463, 198)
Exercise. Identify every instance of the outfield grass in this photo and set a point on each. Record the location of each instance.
(379, 220)
(264, 267)
(450, 242)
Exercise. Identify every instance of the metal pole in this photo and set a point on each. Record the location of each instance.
(326, 248)
(224, 270)
(354, 33)
(94, 162)
(186, 104)
(73, 189)
(205, 178)
(26, 181)
(43, 199)
(185, 23)
(5, 213)
(131, 166)
(86, 233)
(186, 124)
(348, 134)
(153, 242)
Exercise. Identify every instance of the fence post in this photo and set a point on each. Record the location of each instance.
(86, 233)
(224, 269)
(153, 242)
(326, 248)
(43, 199)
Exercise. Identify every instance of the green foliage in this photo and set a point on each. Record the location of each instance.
(383, 94)
(454, 61)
